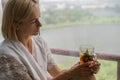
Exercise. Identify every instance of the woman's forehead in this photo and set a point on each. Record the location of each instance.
(35, 12)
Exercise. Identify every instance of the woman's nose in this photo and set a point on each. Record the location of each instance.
(39, 24)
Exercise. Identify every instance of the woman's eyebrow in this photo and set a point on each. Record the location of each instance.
(35, 18)
(32, 19)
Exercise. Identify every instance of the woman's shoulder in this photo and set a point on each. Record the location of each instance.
(6, 50)
(3, 47)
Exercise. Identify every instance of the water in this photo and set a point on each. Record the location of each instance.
(104, 38)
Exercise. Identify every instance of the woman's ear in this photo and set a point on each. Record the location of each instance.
(15, 26)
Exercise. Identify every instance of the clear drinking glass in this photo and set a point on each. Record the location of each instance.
(87, 53)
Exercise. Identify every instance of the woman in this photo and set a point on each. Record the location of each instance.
(20, 28)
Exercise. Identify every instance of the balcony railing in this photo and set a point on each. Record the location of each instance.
(103, 56)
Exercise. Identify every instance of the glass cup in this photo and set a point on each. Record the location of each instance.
(87, 53)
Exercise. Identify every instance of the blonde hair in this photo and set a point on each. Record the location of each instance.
(15, 11)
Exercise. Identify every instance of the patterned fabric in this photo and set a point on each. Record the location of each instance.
(38, 64)
(11, 69)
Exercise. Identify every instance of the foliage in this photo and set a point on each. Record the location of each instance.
(67, 16)
(86, 21)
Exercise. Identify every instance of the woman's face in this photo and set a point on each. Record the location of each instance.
(32, 25)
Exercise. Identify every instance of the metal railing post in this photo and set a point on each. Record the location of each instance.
(118, 70)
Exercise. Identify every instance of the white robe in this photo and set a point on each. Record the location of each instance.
(37, 68)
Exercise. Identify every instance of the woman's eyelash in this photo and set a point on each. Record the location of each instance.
(34, 21)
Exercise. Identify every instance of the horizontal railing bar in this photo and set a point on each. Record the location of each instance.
(107, 56)
(104, 56)
(65, 52)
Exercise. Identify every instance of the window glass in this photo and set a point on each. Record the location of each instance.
(0, 13)
(67, 24)
(0, 20)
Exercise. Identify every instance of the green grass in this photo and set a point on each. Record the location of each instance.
(108, 70)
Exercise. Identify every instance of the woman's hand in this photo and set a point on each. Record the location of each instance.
(79, 71)
(94, 66)
(85, 71)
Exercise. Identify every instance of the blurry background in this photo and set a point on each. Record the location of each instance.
(71, 23)
(67, 24)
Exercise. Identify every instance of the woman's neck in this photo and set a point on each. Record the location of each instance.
(27, 42)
